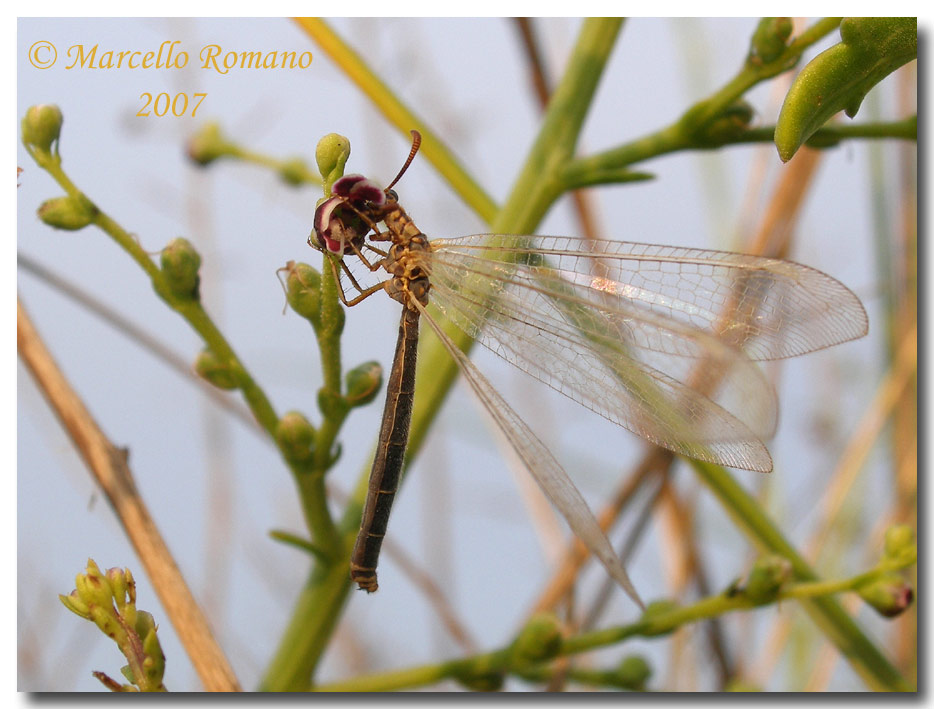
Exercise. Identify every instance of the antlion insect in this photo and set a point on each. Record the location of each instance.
(658, 339)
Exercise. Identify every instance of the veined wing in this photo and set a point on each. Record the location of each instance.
(649, 353)
(538, 460)
(769, 308)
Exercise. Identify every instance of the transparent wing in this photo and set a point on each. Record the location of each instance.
(539, 461)
(656, 339)
(769, 308)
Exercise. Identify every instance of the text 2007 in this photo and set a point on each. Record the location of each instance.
(163, 105)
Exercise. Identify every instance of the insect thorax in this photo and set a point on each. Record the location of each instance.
(406, 259)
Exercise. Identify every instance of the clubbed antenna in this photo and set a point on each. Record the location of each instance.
(416, 142)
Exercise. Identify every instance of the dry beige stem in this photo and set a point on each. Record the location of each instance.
(109, 466)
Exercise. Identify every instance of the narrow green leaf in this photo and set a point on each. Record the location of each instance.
(839, 78)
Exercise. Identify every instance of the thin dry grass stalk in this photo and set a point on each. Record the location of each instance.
(108, 465)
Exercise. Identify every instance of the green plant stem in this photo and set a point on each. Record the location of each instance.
(612, 170)
(320, 603)
(256, 158)
(686, 133)
(191, 310)
(313, 496)
(101, 220)
(865, 658)
(753, 72)
(276, 164)
(590, 678)
(531, 197)
(649, 626)
(830, 135)
(299, 542)
(421, 676)
(328, 333)
(329, 330)
(309, 480)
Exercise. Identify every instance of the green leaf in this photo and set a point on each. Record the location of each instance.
(839, 78)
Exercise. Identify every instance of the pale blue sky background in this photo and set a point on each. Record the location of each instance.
(214, 488)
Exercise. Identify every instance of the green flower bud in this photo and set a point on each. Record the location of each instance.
(105, 618)
(766, 578)
(215, 370)
(303, 291)
(123, 590)
(480, 674)
(653, 611)
(883, 33)
(117, 579)
(154, 662)
(633, 672)
(145, 624)
(363, 383)
(68, 213)
(770, 39)
(900, 543)
(840, 77)
(74, 603)
(154, 668)
(333, 325)
(42, 126)
(209, 144)
(119, 586)
(129, 613)
(180, 264)
(827, 139)
(93, 587)
(331, 155)
(486, 682)
(889, 595)
(295, 436)
(130, 628)
(296, 172)
(539, 640)
(728, 126)
(331, 404)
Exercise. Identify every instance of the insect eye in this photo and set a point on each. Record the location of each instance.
(392, 196)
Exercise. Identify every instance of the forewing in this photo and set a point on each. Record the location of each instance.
(768, 308)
